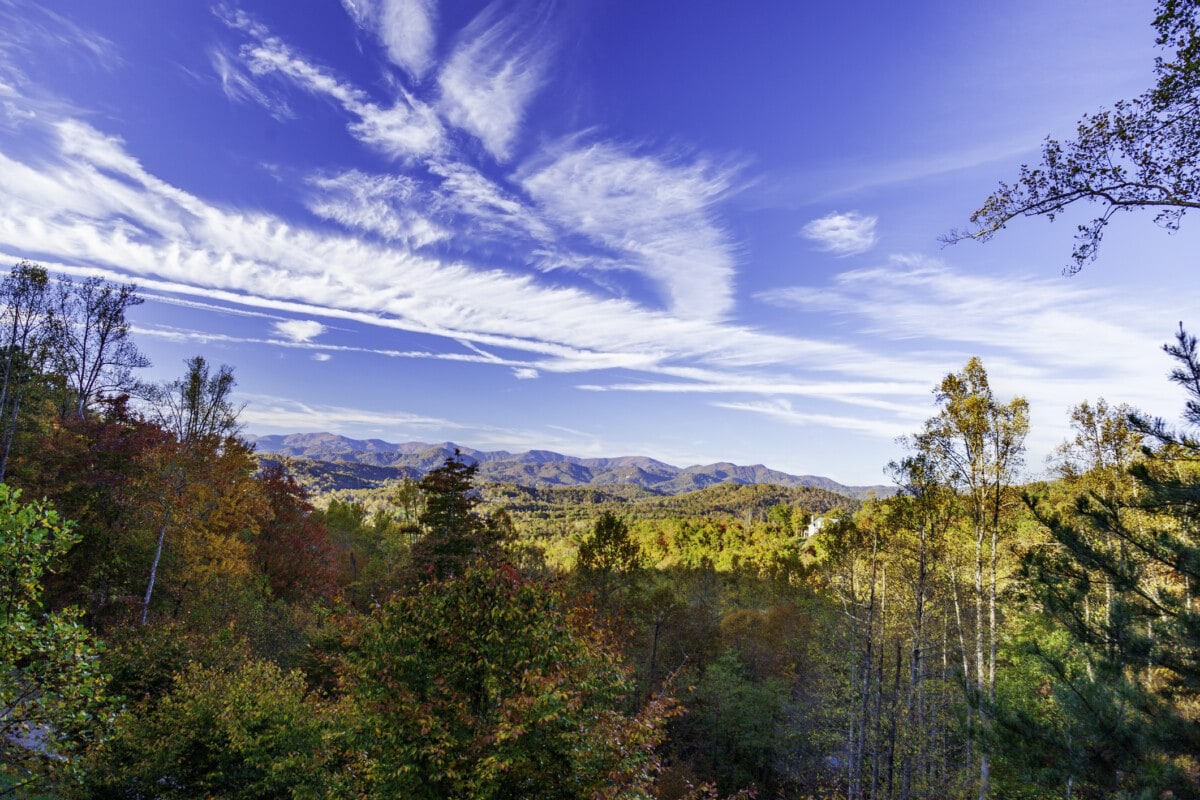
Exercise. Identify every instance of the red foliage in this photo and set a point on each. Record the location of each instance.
(292, 547)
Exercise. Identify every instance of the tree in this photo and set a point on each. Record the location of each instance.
(1143, 153)
(925, 510)
(200, 502)
(1119, 576)
(28, 327)
(731, 727)
(96, 353)
(52, 701)
(197, 406)
(292, 546)
(977, 445)
(455, 533)
(197, 412)
(246, 732)
(607, 556)
(489, 685)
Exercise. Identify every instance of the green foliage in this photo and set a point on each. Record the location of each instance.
(731, 731)
(253, 731)
(1117, 577)
(608, 560)
(454, 532)
(28, 329)
(488, 685)
(52, 692)
(1143, 153)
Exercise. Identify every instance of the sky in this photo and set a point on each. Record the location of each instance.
(698, 231)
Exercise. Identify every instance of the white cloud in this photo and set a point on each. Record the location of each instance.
(321, 357)
(126, 220)
(406, 28)
(654, 217)
(386, 205)
(842, 234)
(525, 373)
(1057, 342)
(490, 77)
(481, 203)
(404, 129)
(299, 330)
(274, 414)
(783, 411)
(88, 204)
(28, 28)
(240, 87)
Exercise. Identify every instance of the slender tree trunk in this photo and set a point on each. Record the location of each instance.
(913, 716)
(895, 698)
(10, 432)
(865, 690)
(162, 535)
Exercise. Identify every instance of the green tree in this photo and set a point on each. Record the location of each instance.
(606, 557)
(455, 533)
(488, 685)
(731, 727)
(1118, 575)
(52, 701)
(28, 330)
(976, 444)
(1143, 153)
(252, 731)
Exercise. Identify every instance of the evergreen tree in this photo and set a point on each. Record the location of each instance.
(455, 533)
(1118, 576)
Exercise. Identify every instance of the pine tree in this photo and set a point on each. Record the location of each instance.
(1118, 576)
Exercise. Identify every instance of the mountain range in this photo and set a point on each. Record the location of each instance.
(361, 463)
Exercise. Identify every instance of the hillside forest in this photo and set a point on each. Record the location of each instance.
(184, 617)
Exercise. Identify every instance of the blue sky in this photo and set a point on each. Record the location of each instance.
(700, 231)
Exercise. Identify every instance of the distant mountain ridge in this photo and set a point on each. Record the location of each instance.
(381, 461)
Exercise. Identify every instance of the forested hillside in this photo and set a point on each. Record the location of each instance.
(182, 619)
(180, 613)
(327, 462)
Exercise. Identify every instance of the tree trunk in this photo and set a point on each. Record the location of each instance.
(162, 535)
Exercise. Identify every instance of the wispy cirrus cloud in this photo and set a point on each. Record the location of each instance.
(483, 204)
(29, 28)
(1054, 341)
(385, 205)
(404, 129)
(96, 205)
(495, 70)
(783, 411)
(239, 86)
(926, 303)
(407, 29)
(650, 216)
(843, 234)
(595, 207)
(268, 414)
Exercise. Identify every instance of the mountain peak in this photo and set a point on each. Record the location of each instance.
(540, 467)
